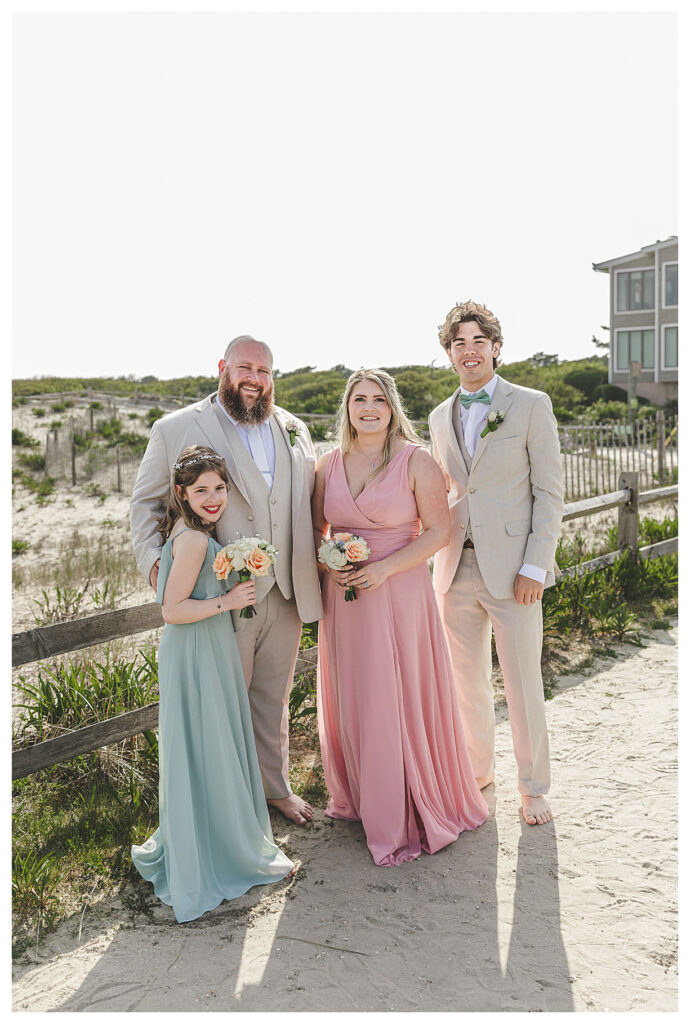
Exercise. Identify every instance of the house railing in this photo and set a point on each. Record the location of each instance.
(65, 637)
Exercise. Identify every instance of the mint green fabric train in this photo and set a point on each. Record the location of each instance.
(214, 839)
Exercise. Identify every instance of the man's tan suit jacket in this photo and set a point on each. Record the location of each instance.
(512, 493)
(199, 424)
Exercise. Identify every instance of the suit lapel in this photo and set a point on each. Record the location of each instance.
(281, 436)
(208, 424)
(501, 400)
(451, 440)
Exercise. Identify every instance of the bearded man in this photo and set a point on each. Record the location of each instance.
(270, 461)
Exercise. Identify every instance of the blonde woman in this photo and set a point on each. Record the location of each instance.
(392, 744)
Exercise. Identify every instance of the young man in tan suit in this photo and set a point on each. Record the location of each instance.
(270, 460)
(497, 444)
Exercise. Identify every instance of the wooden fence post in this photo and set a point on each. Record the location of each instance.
(661, 444)
(627, 514)
(119, 470)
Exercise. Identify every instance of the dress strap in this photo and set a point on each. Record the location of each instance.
(184, 528)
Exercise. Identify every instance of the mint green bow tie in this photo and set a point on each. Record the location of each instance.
(480, 396)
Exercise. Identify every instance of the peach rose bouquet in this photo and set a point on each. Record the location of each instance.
(247, 556)
(343, 551)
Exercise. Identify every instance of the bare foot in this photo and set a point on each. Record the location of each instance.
(484, 782)
(294, 808)
(535, 810)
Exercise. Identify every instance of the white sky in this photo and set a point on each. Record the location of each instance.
(331, 183)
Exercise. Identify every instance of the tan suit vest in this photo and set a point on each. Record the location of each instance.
(467, 458)
(271, 516)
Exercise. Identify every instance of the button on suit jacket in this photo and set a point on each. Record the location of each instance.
(199, 424)
(512, 492)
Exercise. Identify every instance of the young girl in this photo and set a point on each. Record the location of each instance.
(214, 838)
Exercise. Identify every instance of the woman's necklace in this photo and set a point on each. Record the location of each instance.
(372, 462)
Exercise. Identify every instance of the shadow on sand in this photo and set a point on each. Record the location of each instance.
(475, 927)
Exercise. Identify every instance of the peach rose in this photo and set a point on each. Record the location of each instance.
(342, 536)
(258, 562)
(356, 551)
(221, 566)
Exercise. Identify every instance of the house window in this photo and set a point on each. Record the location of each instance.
(635, 347)
(671, 347)
(635, 290)
(671, 284)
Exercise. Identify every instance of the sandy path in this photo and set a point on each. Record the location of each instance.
(577, 915)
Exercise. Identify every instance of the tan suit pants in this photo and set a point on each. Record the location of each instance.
(268, 645)
(469, 611)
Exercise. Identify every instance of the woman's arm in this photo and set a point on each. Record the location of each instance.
(318, 519)
(320, 523)
(428, 485)
(189, 551)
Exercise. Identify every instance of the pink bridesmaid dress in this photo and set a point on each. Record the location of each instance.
(392, 744)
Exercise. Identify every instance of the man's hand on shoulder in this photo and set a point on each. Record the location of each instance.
(153, 575)
(526, 590)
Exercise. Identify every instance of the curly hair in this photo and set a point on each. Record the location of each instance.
(190, 464)
(462, 313)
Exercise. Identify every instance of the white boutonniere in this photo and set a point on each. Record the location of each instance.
(293, 430)
(492, 421)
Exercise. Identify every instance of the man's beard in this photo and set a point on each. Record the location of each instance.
(233, 401)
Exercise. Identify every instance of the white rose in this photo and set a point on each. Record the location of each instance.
(237, 559)
(491, 417)
(332, 557)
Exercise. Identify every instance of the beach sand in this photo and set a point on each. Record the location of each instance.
(576, 915)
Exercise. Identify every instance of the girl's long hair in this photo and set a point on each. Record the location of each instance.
(190, 464)
(399, 425)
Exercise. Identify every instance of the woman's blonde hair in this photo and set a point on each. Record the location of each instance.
(399, 425)
(191, 463)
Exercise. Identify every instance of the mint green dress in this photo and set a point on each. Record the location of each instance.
(214, 839)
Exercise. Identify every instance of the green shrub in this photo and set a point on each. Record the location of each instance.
(34, 883)
(152, 415)
(82, 441)
(610, 393)
(42, 487)
(109, 429)
(19, 547)
(79, 692)
(22, 440)
(651, 531)
(587, 379)
(600, 411)
(33, 461)
(38, 412)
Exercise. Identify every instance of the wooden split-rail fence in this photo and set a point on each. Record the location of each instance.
(64, 637)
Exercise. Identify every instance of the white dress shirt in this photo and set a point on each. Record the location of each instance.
(258, 440)
(473, 422)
